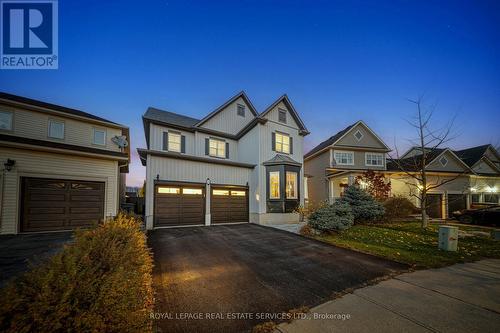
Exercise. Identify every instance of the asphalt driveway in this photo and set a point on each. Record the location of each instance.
(18, 251)
(247, 272)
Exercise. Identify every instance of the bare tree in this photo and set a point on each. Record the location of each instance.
(430, 143)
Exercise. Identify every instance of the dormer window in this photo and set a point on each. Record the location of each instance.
(358, 135)
(282, 116)
(443, 160)
(241, 110)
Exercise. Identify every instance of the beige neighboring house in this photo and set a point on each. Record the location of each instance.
(234, 165)
(333, 165)
(61, 168)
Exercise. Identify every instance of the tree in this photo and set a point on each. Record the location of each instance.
(375, 184)
(364, 207)
(430, 143)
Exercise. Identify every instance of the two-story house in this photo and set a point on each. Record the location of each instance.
(234, 165)
(334, 164)
(61, 168)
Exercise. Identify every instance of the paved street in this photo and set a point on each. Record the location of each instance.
(459, 298)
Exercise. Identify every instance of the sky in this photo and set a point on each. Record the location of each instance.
(338, 61)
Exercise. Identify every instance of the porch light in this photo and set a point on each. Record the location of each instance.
(490, 189)
(9, 164)
(473, 189)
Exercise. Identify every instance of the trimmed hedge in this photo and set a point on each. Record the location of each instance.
(100, 283)
(399, 207)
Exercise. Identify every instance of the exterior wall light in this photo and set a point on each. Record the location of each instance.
(9, 164)
(473, 189)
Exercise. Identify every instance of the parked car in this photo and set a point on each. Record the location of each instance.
(485, 216)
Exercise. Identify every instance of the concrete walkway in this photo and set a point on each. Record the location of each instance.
(290, 227)
(459, 298)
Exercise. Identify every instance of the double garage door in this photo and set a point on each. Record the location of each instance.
(55, 204)
(455, 202)
(183, 205)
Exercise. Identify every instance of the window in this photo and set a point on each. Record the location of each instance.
(241, 110)
(174, 142)
(291, 185)
(344, 158)
(220, 192)
(193, 191)
(6, 120)
(490, 197)
(99, 137)
(274, 185)
(476, 198)
(443, 161)
(169, 190)
(358, 135)
(217, 148)
(282, 143)
(282, 116)
(374, 159)
(238, 193)
(56, 129)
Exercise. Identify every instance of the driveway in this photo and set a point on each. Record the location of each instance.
(460, 298)
(249, 272)
(17, 251)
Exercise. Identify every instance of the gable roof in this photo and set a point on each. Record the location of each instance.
(291, 109)
(223, 106)
(14, 100)
(169, 117)
(472, 155)
(413, 163)
(335, 138)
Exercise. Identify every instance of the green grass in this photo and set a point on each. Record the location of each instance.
(408, 243)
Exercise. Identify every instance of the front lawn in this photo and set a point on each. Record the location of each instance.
(407, 243)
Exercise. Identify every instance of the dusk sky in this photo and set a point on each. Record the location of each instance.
(338, 61)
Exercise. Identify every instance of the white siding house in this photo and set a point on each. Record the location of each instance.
(216, 170)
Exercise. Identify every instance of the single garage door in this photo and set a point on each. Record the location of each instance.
(229, 205)
(177, 205)
(456, 202)
(55, 204)
(434, 206)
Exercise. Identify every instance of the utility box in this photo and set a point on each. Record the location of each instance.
(495, 234)
(448, 238)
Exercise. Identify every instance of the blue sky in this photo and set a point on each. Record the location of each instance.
(339, 61)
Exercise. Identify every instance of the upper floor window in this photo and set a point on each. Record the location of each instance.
(217, 148)
(241, 110)
(6, 120)
(282, 143)
(56, 129)
(274, 185)
(374, 159)
(344, 158)
(174, 142)
(291, 185)
(282, 116)
(99, 136)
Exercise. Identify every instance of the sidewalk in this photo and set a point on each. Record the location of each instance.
(459, 298)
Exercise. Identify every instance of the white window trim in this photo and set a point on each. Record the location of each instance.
(376, 154)
(354, 134)
(217, 148)
(294, 185)
(279, 185)
(94, 129)
(276, 141)
(56, 121)
(343, 151)
(168, 141)
(11, 121)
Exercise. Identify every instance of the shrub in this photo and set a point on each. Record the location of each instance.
(99, 283)
(335, 217)
(399, 207)
(364, 207)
